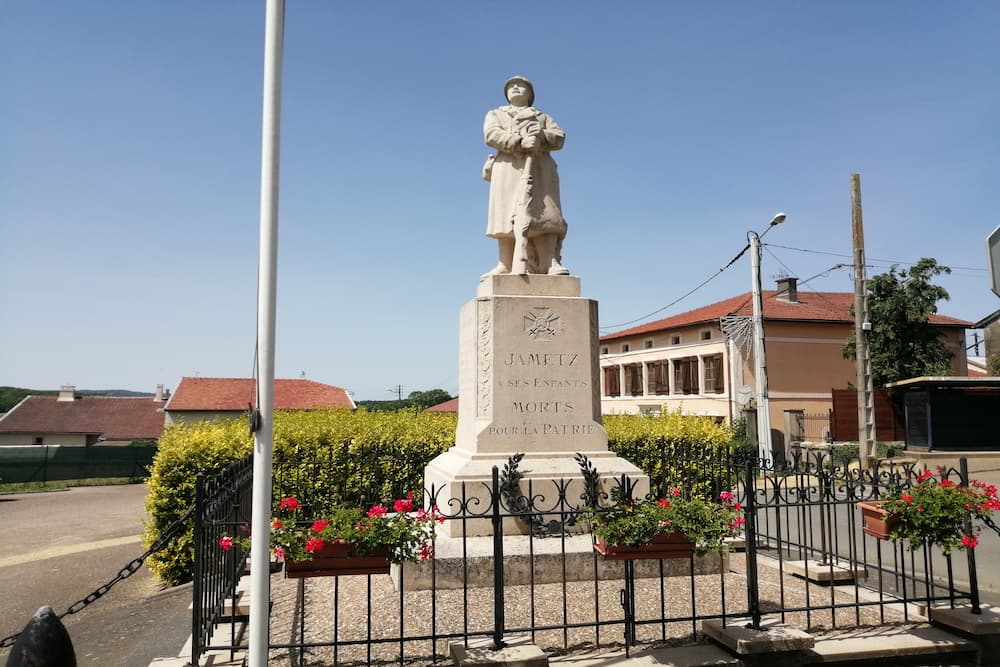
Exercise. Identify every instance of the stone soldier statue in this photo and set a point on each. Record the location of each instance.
(525, 214)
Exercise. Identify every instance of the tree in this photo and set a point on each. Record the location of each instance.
(902, 342)
(994, 368)
(431, 397)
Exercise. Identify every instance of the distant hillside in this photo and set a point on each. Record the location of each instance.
(11, 396)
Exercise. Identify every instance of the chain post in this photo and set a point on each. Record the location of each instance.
(498, 612)
(970, 554)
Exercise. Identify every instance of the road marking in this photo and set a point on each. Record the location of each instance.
(52, 552)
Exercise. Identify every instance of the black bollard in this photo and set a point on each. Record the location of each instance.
(44, 642)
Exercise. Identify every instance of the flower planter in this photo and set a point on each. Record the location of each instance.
(878, 521)
(663, 545)
(338, 558)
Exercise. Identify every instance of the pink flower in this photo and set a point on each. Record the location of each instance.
(279, 552)
(920, 509)
(675, 492)
(289, 503)
(970, 542)
(377, 510)
(319, 525)
(315, 544)
(738, 506)
(426, 551)
(403, 505)
(726, 495)
(662, 502)
(739, 521)
(226, 543)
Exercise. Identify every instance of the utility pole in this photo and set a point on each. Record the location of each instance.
(398, 390)
(866, 411)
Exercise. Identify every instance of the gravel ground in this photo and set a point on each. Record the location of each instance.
(462, 612)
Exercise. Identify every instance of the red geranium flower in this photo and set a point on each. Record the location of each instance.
(377, 510)
(315, 544)
(226, 542)
(289, 503)
(320, 525)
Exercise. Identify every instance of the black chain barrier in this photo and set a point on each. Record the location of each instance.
(123, 574)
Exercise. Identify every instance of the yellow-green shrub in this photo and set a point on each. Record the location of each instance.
(318, 455)
(326, 455)
(672, 448)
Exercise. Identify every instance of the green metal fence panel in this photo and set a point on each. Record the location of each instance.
(47, 463)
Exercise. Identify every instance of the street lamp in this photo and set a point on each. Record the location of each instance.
(764, 448)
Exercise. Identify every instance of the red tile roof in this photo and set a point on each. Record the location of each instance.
(810, 307)
(450, 405)
(112, 417)
(228, 394)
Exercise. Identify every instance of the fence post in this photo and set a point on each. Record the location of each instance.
(750, 530)
(970, 554)
(197, 586)
(498, 618)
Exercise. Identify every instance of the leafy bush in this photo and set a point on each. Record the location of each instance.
(329, 457)
(322, 457)
(842, 455)
(674, 449)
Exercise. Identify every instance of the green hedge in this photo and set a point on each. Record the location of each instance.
(672, 448)
(323, 456)
(342, 453)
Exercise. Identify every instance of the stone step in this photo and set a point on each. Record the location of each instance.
(893, 645)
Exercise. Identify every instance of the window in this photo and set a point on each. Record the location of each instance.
(39, 440)
(633, 379)
(675, 340)
(706, 335)
(659, 377)
(648, 344)
(686, 375)
(611, 383)
(714, 381)
(624, 347)
(604, 349)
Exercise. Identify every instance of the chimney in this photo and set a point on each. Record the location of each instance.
(788, 289)
(158, 396)
(67, 392)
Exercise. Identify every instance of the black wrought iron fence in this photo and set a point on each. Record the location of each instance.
(513, 558)
(223, 507)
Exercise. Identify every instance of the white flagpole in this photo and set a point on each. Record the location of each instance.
(267, 282)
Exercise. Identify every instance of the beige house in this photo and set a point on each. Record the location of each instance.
(198, 398)
(71, 420)
(701, 361)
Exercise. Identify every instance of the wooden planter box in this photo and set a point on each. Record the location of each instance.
(337, 559)
(878, 522)
(663, 545)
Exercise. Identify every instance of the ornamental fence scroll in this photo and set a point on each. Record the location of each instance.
(538, 574)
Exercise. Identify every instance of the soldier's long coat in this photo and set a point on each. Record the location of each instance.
(503, 130)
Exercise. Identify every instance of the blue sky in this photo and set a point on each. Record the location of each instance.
(130, 169)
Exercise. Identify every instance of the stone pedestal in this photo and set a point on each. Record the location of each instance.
(528, 383)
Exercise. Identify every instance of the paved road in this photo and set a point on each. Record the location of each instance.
(58, 547)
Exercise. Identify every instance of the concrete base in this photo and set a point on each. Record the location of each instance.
(824, 573)
(962, 618)
(538, 561)
(701, 655)
(518, 652)
(463, 480)
(772, 638)
(921, 645)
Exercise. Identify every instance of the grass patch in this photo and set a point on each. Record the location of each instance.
(62, 484)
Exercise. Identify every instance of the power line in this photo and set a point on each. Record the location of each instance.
(872, 259)
(681, 298)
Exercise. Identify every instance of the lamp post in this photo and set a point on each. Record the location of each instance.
(764, 449)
